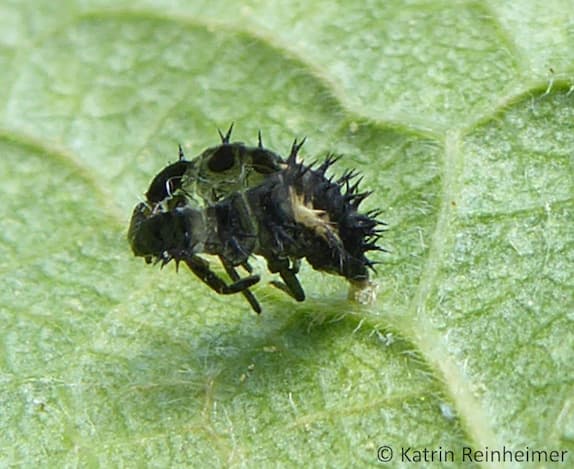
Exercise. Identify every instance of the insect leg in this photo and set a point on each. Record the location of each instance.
(246, 293)
(291, 286)
(296, 266)
(200, 267)
(247, 266)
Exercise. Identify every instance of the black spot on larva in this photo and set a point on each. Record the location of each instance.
(222, 159)
(265, 161)
(167, 181)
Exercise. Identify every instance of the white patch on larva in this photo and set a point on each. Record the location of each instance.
(363, 291)
(316, 220)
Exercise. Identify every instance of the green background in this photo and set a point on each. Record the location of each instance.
(460, 114)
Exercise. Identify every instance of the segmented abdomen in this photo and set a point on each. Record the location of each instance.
(300, 213)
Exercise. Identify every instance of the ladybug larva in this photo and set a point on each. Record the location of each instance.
(294, 213)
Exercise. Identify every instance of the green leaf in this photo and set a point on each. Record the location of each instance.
(461, 117)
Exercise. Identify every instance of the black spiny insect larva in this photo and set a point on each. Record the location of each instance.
(294, 213)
